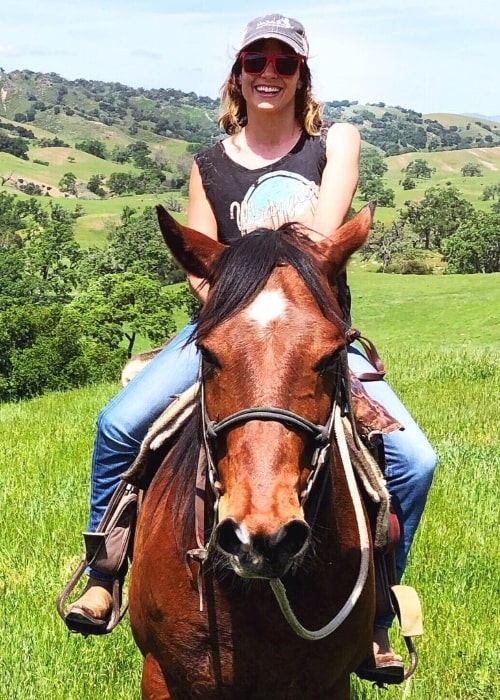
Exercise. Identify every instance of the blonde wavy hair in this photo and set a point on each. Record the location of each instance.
(234, 109)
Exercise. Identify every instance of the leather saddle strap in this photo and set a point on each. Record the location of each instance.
(372, 355)
(385, 569)
(194, 558)
(200, 496)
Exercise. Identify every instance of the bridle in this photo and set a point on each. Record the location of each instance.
(323, 435)
(320, 434)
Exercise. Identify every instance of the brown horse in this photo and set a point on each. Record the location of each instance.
(283, 507)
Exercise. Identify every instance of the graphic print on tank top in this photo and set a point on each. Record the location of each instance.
(276, 198)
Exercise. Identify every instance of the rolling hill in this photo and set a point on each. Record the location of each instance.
(49, 116)
(448, 166)
(111, 111)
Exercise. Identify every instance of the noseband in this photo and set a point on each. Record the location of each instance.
(320, 433)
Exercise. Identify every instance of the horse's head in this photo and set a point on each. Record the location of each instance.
(270, 335)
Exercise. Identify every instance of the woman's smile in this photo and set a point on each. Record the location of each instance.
(268, 90)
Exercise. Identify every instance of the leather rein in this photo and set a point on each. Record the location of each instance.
(322, 436)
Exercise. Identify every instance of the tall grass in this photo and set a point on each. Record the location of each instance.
(452, 386)
(454, 563)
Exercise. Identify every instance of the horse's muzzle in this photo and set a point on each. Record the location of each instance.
(262, 556)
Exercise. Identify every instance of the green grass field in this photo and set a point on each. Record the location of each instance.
(441, 346)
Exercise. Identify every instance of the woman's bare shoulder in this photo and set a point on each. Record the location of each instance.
(343, 131)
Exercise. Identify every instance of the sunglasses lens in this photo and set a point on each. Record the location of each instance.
(287, 65)
(254, 63)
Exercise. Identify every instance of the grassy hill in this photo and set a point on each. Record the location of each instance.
(92, 109)
(448, 165)
(91, 225)
(59, 161)
(111, 111)
(399, 130)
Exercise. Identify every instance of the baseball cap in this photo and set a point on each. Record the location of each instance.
(285, 29)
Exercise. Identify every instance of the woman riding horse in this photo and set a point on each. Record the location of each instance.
(278, 163)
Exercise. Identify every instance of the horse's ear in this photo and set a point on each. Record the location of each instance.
(347, 239)
(193, 251)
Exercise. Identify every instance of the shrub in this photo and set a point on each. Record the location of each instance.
(404, 265)
(408, 184)
(31, 188)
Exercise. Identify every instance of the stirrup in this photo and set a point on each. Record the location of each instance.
(106, 551)
(408, 610)
(94, 627)
(393, 599)
(390, 673)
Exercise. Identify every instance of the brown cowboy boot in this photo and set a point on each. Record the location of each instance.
(384, 667)
(95, 605)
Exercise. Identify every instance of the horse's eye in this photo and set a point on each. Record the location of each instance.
(208, 357)
(328, 362)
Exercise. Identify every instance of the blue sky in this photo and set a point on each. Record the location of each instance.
(427, 55)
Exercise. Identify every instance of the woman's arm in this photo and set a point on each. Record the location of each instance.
(340, 178)
(201, 218)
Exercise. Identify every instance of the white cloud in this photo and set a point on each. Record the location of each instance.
(8, 50)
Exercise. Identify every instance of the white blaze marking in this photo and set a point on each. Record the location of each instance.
(268, 306)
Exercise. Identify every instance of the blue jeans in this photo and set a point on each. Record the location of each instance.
(123, 423)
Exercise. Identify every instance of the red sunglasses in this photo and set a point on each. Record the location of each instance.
(285, 65)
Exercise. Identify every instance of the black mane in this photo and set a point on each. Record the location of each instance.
(244, 267)
(240, 273)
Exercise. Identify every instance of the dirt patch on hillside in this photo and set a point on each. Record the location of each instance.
(55, 156)
(479, 154)
(404, 159)
(490, 166)
(16, 180)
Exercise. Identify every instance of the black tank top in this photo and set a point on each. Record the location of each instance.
(243, 199)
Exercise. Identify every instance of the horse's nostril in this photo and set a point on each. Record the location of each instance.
(292, 538)
(278, 550)
(227, 538)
